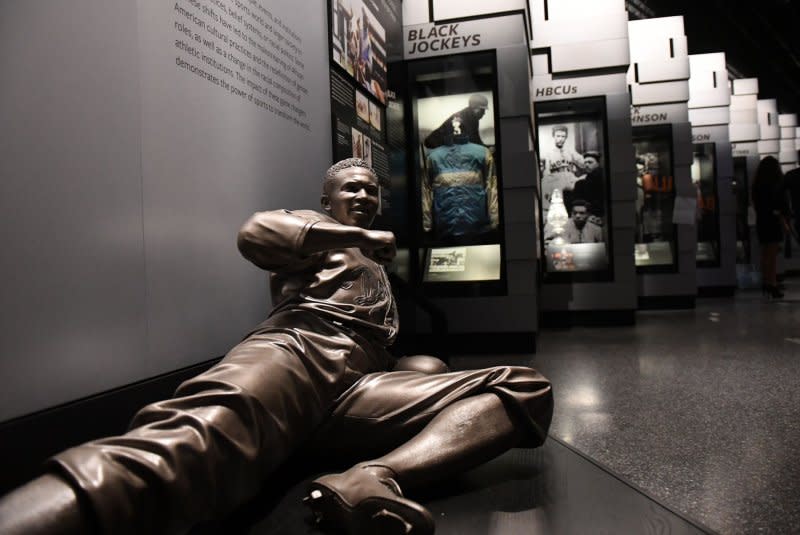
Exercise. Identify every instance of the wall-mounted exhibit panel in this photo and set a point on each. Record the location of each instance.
(364, 37)
(704, 179)
(574, 188)
(362, 33)
(656, 237)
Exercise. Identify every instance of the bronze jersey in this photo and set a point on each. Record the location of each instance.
(342, 285)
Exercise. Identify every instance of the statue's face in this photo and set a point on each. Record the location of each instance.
(351, 197)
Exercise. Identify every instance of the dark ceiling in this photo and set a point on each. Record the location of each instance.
(760, 39)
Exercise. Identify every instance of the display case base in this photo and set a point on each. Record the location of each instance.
(667, 302)
(716, 291)
(587, 318)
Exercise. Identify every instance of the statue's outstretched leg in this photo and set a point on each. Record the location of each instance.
(367, 498)
(45, 505)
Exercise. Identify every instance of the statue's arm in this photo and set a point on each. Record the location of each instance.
(276, 239)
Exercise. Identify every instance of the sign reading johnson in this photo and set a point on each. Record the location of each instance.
(425, 40)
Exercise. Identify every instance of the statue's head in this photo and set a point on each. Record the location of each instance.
(350, 193)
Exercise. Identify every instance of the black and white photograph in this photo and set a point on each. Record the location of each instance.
(572, 166)
(375, 116)
(463, 264)
(443, 260)
(655, 196)
(459, 177)
(704, 180)
(358, 143)
(367, 150)
(358, 39)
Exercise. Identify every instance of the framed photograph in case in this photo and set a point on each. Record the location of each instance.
(655, 248)
(572, 147)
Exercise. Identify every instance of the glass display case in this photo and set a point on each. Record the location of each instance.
(655, 248)
(704, 179)
(458, 201)
(572, 148)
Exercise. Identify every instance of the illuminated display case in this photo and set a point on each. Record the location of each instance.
(655, 249)
(575, 213)
(457, 206)
(704, 179)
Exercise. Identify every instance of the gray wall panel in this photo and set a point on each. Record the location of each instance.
(620, 150)
(684, 188)
(70, 202)
(513, 313)
(682, 147)
(514, 88)
(522, 277)
(623, 185)
(204, 174)
(623, 237)
(618, 105)
(515, 134)
(597, 296)
(518, 168)
(519, 206)
(520, 241)
(624, 214)
(125, 179)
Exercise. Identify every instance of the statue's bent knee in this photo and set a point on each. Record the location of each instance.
(421, 363)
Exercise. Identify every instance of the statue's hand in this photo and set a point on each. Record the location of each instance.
(379, 245)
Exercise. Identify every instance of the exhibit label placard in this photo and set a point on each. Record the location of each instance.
(426, 40)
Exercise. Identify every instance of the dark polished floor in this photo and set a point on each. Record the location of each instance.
(551, 490)
(700, 408)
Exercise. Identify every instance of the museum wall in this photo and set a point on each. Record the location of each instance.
(137, 137)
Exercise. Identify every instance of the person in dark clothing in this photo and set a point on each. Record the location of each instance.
(461, 123)
(771, 207)
(792, 181)
(591, 187)
(315, 375)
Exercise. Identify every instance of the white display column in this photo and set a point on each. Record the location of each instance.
(582, 114)
(787, 155)
(712, 174)
(797, 141)
(441, 40)
(665, 237)
(769, 141)
(744, 134)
